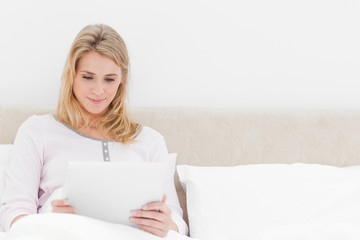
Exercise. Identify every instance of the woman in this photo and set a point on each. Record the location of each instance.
(91, 122)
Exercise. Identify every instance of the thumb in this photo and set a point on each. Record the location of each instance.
(164, 198)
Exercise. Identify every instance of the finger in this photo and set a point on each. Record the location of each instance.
(164, 198)
(159, 216)
(154, 231)
(60, 202)
(64, 210)
(157, 206)
(148, 222)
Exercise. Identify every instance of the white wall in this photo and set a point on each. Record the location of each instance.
(249, 53)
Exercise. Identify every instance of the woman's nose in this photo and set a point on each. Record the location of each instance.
(97, 88)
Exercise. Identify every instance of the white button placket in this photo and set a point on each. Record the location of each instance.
(105, 147)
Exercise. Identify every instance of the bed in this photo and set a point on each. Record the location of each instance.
(241, 174)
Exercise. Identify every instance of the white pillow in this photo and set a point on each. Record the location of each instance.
(5, 155)
(241, 202)
(354, 167)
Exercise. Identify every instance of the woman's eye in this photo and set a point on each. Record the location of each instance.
(109, 79)
(87, 77)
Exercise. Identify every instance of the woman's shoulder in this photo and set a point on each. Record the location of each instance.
(38, 120)
(35, 127)
(148, 133)
(35, 122)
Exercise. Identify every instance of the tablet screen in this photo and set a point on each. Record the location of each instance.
(110, 190)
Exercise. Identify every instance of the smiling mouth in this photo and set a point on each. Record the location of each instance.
(96, 101)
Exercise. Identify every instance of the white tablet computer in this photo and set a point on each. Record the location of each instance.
(110, 190)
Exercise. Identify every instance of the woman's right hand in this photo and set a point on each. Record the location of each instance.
(62, 206)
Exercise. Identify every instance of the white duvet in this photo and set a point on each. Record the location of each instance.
(70, 227)
(57, 226)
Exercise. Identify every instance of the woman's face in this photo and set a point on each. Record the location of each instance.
(96, 82)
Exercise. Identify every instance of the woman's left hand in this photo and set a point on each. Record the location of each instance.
(155, 218)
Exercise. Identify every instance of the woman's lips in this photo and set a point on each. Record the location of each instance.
(96, 101)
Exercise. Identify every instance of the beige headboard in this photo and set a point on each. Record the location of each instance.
(210, 136)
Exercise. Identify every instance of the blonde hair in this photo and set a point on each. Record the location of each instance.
(116, 122)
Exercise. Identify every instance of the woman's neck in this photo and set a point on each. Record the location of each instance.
(93, 131)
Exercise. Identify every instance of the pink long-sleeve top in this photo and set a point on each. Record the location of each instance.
(44, 146)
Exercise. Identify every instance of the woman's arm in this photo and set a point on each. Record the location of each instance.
(172, 201)
(169, 209)
(23, 175)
